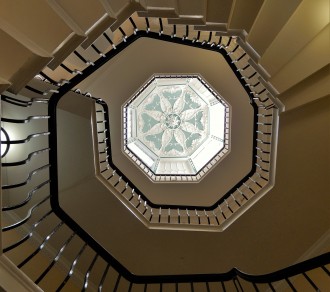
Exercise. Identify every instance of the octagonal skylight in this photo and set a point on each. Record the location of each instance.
(176, 128)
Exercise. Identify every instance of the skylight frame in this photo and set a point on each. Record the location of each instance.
(147, 160)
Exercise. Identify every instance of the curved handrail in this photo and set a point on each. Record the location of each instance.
(27, 139)
(25, 200)
(54, 261)
(29, 178)
(28, 235)
(26, 218)
(41, 246)
(23, 121)
(72, 267)
(22, 103)
(25, 161)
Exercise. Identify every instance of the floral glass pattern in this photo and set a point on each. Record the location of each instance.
(173, 121)
(168, 131)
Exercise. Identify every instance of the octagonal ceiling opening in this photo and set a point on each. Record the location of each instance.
(176, 128)
(257, 115)
(176, 59)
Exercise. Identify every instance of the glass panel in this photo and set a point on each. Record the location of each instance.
(175, 127)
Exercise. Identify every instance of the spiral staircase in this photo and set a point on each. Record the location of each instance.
(78, 215)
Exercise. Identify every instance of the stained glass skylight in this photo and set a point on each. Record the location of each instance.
(176, 128)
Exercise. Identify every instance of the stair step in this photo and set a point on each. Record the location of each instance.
(243, 14)
(218, 11)
(19, 63)
(271, 18)
(118, 6)
(60, 55)
(307, 21)
(309, 60)
(312, 88)
(89, 18)
(4, 84)
(105, 22)
(219, 27)
(217, 16)
(44, 27)
(190, 12)
(84, 13)
(125, 13)
(164, 13)
(159, 8)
